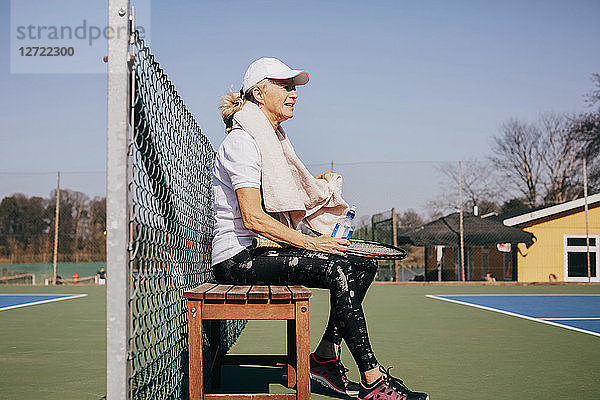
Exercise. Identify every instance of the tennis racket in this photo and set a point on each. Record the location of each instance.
(359, 248)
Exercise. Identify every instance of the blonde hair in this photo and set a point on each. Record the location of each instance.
(233, 102)
(230, 104)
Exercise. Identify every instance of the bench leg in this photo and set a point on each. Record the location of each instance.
(291, 353)
(302, 351)
(195, 348)
(215, 336)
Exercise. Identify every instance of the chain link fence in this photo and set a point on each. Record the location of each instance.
(171, 224)
(381, 229)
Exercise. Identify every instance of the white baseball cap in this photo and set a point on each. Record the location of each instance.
(274, 69)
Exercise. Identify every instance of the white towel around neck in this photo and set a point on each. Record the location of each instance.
(288, 188)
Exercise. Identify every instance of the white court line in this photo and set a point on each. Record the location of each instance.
(523, 294)
(512, 314)
(570, 319)
(67, 296)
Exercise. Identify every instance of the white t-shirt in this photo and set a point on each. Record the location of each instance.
(237, 165)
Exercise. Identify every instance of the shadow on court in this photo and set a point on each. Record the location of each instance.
(260, 379)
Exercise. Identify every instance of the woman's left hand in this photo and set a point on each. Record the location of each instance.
(328, 176)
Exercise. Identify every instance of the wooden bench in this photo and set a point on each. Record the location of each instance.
(214, 302)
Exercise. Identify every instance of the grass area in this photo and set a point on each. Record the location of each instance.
(56, 350)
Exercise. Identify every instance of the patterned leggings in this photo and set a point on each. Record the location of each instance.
(347, 279)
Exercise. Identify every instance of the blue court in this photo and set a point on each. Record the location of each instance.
(576, 312)
(10, 301)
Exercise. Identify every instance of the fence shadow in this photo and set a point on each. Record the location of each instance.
(256, 379)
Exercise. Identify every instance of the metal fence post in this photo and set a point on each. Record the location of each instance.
(116, 202)
(395, 243)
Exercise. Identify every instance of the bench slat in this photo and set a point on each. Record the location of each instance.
(218, 292)
(238, 292)
(213, 291)
(259, 292)
(300, 292)
(197, 293)
(280, 293)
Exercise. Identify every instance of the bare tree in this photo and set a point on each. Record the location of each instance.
(593, 97)
(480, 187)
(585, 128)
(408, 220)
(543, 160)
(561, 160)
(516, 154)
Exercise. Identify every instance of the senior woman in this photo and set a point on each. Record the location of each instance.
(261, 188)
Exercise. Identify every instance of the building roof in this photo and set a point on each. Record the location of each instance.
(550, 211)
(477, 232)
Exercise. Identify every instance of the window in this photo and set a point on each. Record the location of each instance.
(575, 258)
(580, 241)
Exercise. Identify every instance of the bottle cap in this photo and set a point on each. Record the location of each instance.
(352, 212)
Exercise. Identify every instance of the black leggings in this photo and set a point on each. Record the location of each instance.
(347, 279)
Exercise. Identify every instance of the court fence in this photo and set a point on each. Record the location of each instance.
(169, 224)
(380, 228)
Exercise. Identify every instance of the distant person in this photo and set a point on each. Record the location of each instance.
(552, 278)
(261, 188)
(490, 278)
(101, 274)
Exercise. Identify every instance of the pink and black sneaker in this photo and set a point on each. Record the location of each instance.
(332, 374)
(389, 388)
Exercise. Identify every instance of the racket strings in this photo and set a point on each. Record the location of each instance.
(357, 248)
(372, 248)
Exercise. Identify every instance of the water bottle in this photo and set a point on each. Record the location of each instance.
(345, 226)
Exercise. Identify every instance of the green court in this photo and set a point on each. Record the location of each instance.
(56, 350)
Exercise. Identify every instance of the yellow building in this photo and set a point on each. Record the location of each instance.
(561, 246)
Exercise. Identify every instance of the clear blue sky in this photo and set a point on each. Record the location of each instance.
(400, 81)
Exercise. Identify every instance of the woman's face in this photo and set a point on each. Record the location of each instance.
(279, 99)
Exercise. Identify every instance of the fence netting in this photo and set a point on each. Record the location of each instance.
(380, 230)
(171, 224)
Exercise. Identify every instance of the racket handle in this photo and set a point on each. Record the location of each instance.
(262, 242)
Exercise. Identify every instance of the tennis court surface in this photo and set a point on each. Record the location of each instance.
(576, 312)
(9, 301)
(57, 351)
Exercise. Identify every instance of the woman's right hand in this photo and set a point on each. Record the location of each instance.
(328, 244)
(328, 176)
